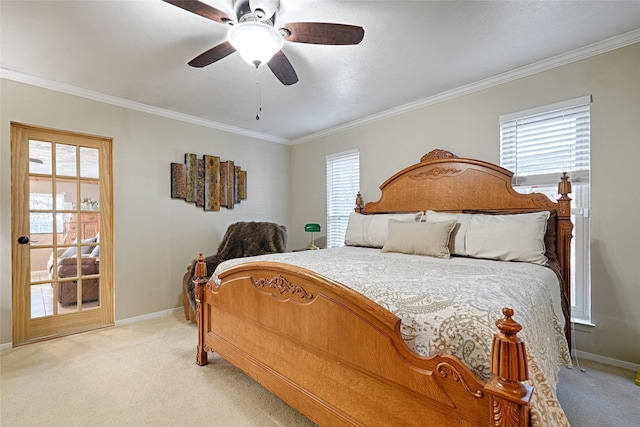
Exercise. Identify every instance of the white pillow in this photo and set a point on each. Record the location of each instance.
(371, 230)
(456, 242)
(419, 238)
(518, 237)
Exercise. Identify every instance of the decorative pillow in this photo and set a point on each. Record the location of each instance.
(456, 242)
(371, 230)
(420, 238)
(518, 237)
(95, 252)
(549, 236)
(84, 250)
(70, 252)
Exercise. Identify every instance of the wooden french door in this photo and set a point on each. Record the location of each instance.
(61, 226)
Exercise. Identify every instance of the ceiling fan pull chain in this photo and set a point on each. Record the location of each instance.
(259, 108)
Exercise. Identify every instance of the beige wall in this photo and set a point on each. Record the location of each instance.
(155, 236)
(468, 126)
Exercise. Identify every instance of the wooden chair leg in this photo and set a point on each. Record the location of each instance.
(188, 312)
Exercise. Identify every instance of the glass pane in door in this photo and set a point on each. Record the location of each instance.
(67, 190)
(67, 300)
(89, 195)
(41, 300)
(88, 162)
(40, 157)
(66, 160)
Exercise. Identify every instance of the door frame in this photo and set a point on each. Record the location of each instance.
(25, 329)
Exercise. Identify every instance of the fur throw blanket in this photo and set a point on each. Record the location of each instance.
(242, 239)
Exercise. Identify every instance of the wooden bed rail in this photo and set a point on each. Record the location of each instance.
(507, 398)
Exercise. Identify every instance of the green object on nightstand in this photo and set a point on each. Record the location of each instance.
(313, 229)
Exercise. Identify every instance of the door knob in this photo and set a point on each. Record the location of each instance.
(23, 240)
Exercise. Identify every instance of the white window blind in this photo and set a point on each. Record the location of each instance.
(343, 184)
(538, 145)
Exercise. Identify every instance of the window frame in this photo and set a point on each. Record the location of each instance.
(575, 161)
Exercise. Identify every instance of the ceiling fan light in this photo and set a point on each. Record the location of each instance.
(256, 42)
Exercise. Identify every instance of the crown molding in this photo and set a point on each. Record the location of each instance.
(518, 73)
(137, 106)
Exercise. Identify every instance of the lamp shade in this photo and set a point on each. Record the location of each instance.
(256, 42)
(312, 228)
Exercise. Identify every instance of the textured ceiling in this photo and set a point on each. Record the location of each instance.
(412, 50)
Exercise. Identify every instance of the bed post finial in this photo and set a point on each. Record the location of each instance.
(201, 268)
(564, 186)
(509, 396)
(564, 189)
(508, 355)
(359, 203)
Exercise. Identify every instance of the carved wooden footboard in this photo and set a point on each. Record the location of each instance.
(339, 358)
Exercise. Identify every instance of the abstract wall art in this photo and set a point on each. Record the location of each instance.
(208, 182)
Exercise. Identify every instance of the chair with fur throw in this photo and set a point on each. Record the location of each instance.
(241, 239)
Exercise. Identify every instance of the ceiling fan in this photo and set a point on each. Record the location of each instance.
(252, 33)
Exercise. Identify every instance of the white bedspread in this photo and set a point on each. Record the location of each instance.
(451, 305)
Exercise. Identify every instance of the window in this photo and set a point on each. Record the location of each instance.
(538, 145)
(343, 184)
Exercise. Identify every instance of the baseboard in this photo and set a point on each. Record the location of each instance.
(6, 346)
(608, 360)
(148, 316)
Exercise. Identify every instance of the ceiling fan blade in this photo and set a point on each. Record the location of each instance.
(202, 9)
(282, 68)
(214, 54)
(323, 33)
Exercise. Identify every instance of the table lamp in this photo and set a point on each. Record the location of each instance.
(313, 229)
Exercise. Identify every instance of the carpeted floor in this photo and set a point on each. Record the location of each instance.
(140, 374)
(144, 374)
(601, 396)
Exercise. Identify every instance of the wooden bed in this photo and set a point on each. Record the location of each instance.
(338, 357)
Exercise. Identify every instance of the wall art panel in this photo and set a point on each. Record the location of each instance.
(208, 182)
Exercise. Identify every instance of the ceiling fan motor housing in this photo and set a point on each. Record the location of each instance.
(252, 11)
